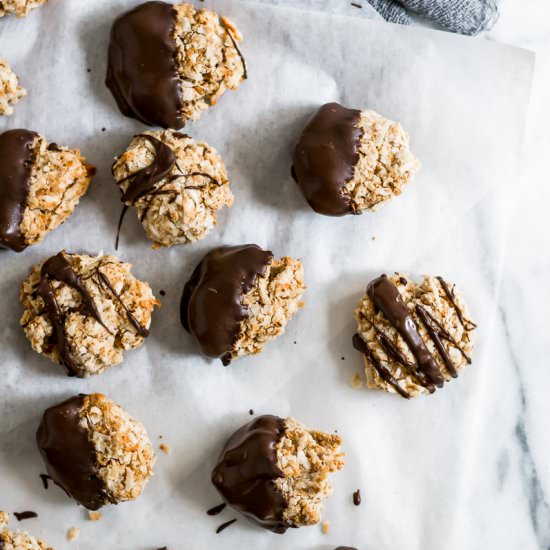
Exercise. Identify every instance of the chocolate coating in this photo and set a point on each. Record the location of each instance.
(142, 70)
(325, 158)
(16, 158)
(211, 308)
(246, 471)
(69, 455)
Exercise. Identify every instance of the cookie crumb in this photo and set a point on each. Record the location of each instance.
(94, 516)
(4, 519)
(356, 381)
(165, 448)
(72, 533)
(325, 527)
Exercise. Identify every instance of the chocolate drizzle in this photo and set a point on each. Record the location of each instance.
(216, 509)
(28, 514)
(387, 298)
(247, 469)
(211, 308)
(325, 158)
(69, 454)
(59, 269)
(225, 526)
(16, 159)
(468, 325)
(142, 71)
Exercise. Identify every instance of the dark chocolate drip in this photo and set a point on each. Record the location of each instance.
(387, 299)
(237, 49)
(140, 329)
(59, 269)
(119, 227)
(361, 346)
(216, 509)
(225, 526)
(29, 514)
(69, 454)
(16, 158)
(357, 497)
(45, 478)
(451, 297)
(247, 469)
(142, 71)
(211, 308)
(325, 158)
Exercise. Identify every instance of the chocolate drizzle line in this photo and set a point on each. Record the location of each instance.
(16, 159)
(451, 297)
(325, 158)
(45, 478)
(25, 515)
(247, 469)
(59, 269)
(387, 298)
(237, 49)
(225, 526)
(216, 509)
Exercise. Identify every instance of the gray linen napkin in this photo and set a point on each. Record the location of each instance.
(460, 16)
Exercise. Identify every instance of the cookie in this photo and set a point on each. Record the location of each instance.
(10, 90)
(167, 63)
(276, 472)
(348, 161)
(177, 186)
(20, 8)
(239, 298)
(95, 451)
(414, 338)
(40, 186)
(83, 312)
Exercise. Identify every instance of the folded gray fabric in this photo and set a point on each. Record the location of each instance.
(460, 16)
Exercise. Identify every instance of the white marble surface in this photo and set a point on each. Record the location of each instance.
(464, 469)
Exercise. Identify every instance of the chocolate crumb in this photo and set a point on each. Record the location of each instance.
(216, 510)
(103, 129)
(295, 341)
(357, 497)
(356, 5)
(45, 478)
(163, 548)
(402, 280)
(25, 515)
(89, 70)
(343, 358)
(162, 292)
(225, 526)
(251, 412)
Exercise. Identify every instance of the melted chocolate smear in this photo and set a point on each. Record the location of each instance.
(361, 346)
(387, 299)
(325, 158)
(246, 471)
(225, 526)
(357, 497)
(16, 159)
(25, 515)
(59, 269)
(142, 71)
(211, 308)
(451, 297)
(216, 510)
(69, 455)
(45, 478)
(140, 329)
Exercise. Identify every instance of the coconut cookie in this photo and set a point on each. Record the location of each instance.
(348, 161)
(19, 7)
(177, 186)
(413, 337)
(83, 312)
(10, 90)
(239, 298)
(167, 63)
(276, 472)
(18, 540)
(95, 451)
(40, 186)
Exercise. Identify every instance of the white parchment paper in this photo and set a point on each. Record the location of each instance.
(463, 102)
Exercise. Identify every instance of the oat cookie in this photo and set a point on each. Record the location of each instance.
(95, 451)
(413, 337)
(17, 540)
(348, 161)
(168, 63)
(19, 7)
(276, 472)
(40, 186)
(177, 186)
(239, 298)
(83, 311)
(10, 90)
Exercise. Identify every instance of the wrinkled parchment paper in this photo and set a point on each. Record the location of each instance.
(463, 102)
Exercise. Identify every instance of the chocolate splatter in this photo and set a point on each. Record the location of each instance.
(162, 293)
(357, 497)
(142, 71)
(216, 509)
(16, 159)
(45, 478)
(246, 471)
(325, 158)
(225, 526)
(25, 515)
